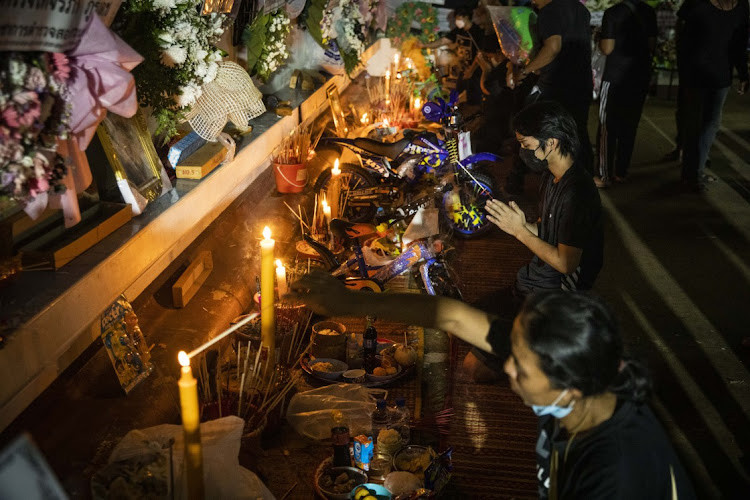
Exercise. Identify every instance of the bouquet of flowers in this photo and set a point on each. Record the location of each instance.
(178, 45)
(351, 31)
(265, 39)
(410, 13)
(34, 112)
(338, 25)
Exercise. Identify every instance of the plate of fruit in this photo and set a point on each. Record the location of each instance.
(370, 491)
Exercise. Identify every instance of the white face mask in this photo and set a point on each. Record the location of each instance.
(460, 23)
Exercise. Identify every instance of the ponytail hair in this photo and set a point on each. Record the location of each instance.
(577, 339)
(633, 381)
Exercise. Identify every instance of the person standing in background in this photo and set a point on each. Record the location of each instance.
(628, 39)
(465, 39)
(713, 36)
(564, 67)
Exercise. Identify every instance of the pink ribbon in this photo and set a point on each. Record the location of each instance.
(101, 80)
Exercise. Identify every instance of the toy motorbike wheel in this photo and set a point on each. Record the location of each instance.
(463, 207)
(352, 178)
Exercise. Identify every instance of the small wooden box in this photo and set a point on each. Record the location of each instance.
(192, 279)
(53, 245)
(202, 162)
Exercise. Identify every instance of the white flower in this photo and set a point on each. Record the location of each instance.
(201, 54)
(167, 39)
(201, 69)
(215, 57)
(17, 72)
(187, 97)
(173, 56)
(164, 4)
(213, 68)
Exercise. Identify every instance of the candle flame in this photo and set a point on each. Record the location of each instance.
(387, 73)
(385, 122)
(266, 233)
(325, 203)
(417, 103)
(364, 118)
(398, 75)
(336, 170)
(279, 264)
(182, 357)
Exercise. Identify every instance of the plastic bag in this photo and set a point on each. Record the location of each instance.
(220, 439)
(516, 30)
(310, 412)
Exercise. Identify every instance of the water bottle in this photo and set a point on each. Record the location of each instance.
(403, 419)
(379, 419)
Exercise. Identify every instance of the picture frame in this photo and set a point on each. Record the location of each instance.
(339, 118)
(131, 153)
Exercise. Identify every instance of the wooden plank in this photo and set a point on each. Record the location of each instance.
(192, 279)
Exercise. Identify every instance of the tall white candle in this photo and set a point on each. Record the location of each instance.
(191, 428)
(281, 278)
(267, 311)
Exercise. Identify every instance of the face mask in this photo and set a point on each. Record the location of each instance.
(460, 23)
(536, 165)
(553, 409)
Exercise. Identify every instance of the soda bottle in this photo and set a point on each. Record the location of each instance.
(340, 438)
(369, 346)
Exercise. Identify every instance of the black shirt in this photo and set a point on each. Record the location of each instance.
(570, 71)
(571, 214)
(466, 42)
(711, 43)
(628, 457)
(630, 24)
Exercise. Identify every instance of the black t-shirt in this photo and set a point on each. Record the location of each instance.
(712, 42)
(466, 42)
(630, 24)
(570, 71)
(628, 457)
(571, 214)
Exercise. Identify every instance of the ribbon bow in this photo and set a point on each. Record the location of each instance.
(101, 81)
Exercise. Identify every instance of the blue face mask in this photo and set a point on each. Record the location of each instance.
(553, 409)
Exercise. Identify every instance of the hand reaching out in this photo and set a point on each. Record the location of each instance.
(320, 292)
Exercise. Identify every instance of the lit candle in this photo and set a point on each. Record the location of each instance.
(364, 119)
(395, 62)
(417, 103)
(267, 312)
(385, 123)
(281, 278)
(327, 212)
(334, 191)
(191, 428)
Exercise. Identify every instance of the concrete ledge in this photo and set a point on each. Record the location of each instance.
(44, 345)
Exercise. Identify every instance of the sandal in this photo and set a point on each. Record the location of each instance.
(600, 183)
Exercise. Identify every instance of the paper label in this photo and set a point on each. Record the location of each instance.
(49, 25)
(464, 145)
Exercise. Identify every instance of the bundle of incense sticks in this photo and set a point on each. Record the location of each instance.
(297, 147)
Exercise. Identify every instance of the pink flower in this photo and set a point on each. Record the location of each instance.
(30, 107)
(10, 116)
(60, 66)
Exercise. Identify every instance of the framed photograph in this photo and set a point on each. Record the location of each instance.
(131, 153)
(339, 118)
(24, 473)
